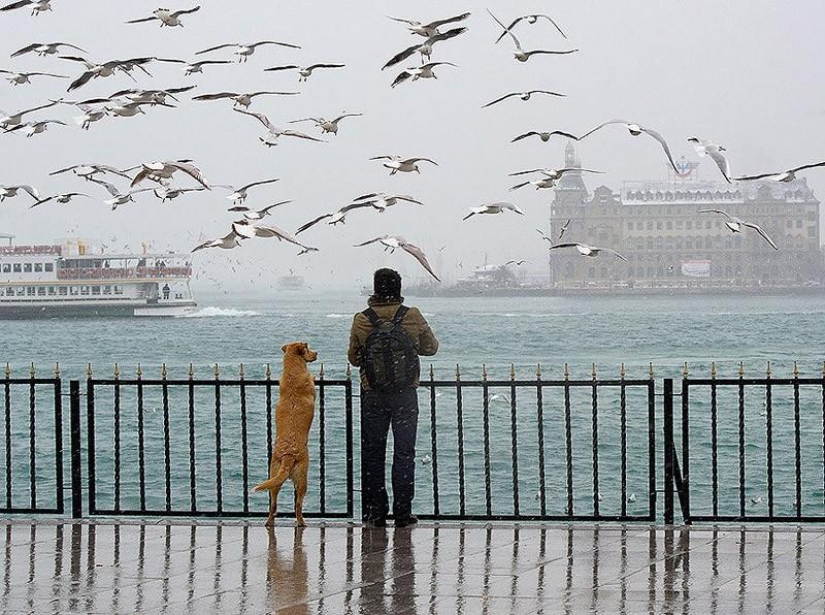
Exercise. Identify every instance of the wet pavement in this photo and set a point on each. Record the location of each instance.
(335, 569)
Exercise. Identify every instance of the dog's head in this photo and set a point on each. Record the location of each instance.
(300, 349)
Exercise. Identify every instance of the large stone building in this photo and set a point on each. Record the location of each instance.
(668, 243)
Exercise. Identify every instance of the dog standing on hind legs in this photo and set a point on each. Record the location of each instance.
(293, 419)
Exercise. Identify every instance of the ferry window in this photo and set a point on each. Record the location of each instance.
(107, 290)
(84, 290)
(30, 291)
(118, 290)
(51, 290)
(48, 267)
(18, 268)
(27, 267)
(62, 291)
(95, 290)
(6, 268)
(38, 267)
(41, 291)
(73, 290)
(21, 291)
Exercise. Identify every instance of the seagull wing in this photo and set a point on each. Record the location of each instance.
(524, 136)
(295, 133)
(81, 81)
(549, 92)
(216, 96)
(441, 22)
(521, 185)
(526, 172)
(563, 245)
(409, 160)
(216, 47)
(268, 207)
(16, 5)
(192, 171)
(745, 178)
(762, 232)
(549, 52)
(304, 227)
(260, 117)
(369, 241)
(25, 49)
(419, 256)
(506, 29)
(401, 78)
(314, 66)
(285, 67)
(109, 187)
(290, 45)
(716, 211)
(341, 117)
(656, 135)
(721, 161)
(600, 126)
(401, 56)
(185, 11)
(616, 254)
(498, 100)
(808, 166)
(412, 22)
(443, 36)
(258, 183)
(48, 75)
(143, 19)
(550, 19)
(253, 94)
(41, 201)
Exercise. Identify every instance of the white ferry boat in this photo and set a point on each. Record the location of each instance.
(78, 280)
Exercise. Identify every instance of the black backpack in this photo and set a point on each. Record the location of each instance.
(390, 359)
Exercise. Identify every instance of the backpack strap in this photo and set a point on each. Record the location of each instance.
(373, 316)
(399, 315)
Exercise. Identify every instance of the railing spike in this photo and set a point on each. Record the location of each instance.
(432, 373)
(538, 371)
(713, 370)
(650, 370)
(622, 372)
(139, 371)
(685, 370)
(240, 371)
(322, 372)
(566, 372)
(163, 371)
(57, 370)
(7, 371)
(457, 372)
(217, 371)
(31, 370)
(795, 370)
(512, 371)
(268, 371)
(593, 370)
(349, 372)
(191, 371)
(768, 370)
(741, 369)
(117, 371)
(484, 371)
(88, 370)
(823, 369)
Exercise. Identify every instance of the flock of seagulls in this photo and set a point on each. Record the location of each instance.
(431, 38)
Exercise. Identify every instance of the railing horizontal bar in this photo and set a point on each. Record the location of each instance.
(534, 383)
(537, 518)
(36, 381)
(30, 511)
(235, 514)
(201, 383)
(755, 381)
(755, 519)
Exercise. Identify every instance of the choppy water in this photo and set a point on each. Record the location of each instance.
(498, 332)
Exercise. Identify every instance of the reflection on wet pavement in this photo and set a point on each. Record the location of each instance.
(336, 569)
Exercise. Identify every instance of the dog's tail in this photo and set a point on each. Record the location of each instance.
(284, 470)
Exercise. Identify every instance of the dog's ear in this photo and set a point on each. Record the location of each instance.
(284, 347)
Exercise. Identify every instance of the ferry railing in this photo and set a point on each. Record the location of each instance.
(31, 438)
(538, 450)
(196, 447)
(746, 449)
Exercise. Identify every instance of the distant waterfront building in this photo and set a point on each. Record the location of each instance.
(668, 243)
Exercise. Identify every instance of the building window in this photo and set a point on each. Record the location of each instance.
(18, 268)
(658, 225)
(669, 225)
(21, 290)
(789, 223)
(6, 268)
(48, 267)
(708, 224)
(799, 224)
(679, 224)
(27, 267)
(629, 226)
(38, 267)
(689, 225)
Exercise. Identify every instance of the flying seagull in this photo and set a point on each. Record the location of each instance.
(197, 67)
(493, 208)
(166, 17)
(530, 19)
(781, 176)
(517, 263)
(242, 99)
(554, 173)
(244, 50)
(21, 78)
(154, 97)
(61, 198)
(163, 170)
(519, 53)
(425, 48)
(107, 69)
(429, 29)
(45, 49)
(425, 71)
(34, 128)
(13, 119)
(707, 148)
(735, 224)
(407, 165)
(227, 242)
(8, 192)
(587, 250)
(636, 130)
(326, 125)
(90, 114)
(88, 170)
(118, 197)
(336, 216)
(271, 138)
(256, 214)
(522, 95)
(563, 229)
(544, 136)
(239, 194)
(167, 193)
(38, 6)
(246, 229)
(382, 200)
(304, 72)
(393, 242)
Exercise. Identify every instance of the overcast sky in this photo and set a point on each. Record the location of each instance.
(745, 74)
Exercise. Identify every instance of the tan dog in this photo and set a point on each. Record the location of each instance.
(293, 418)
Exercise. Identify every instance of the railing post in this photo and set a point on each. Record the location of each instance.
(667, 421)
(77, 496)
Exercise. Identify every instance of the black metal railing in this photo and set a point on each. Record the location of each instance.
(32, 444)
(592, 449)
(749, 449)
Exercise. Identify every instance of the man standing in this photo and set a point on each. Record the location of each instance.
(385, 341)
